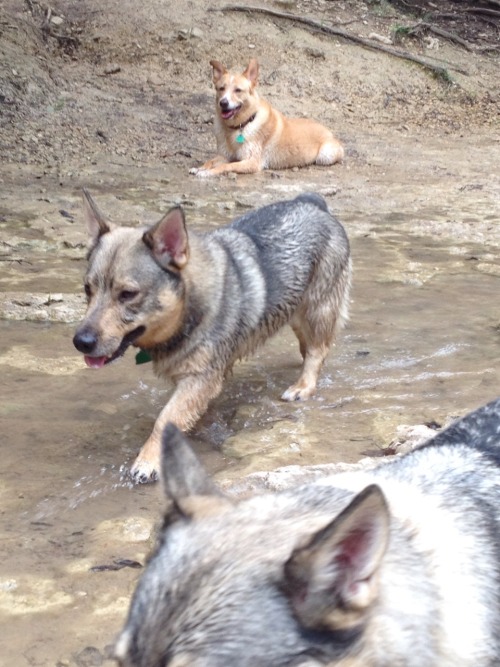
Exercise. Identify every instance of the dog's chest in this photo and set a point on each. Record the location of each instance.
(239, 143)
(240, 147)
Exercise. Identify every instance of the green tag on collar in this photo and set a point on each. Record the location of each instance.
(240, 138)
(142, 357)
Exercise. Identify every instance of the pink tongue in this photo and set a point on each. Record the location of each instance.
(95, 362)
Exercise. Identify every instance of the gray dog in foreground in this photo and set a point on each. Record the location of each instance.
(197, 303)
(397, 566)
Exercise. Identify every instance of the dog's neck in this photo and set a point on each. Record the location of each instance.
(244, 124)
(192, 320)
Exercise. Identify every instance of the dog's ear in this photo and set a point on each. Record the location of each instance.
(252, 71)
(96, 224)
(218, 70)
(185, 482)
(168, 240)
(332, 580)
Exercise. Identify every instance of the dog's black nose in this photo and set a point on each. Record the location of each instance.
(85, 341)
(224, 104)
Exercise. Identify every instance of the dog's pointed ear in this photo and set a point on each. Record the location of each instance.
(252, 71)
(168, 240)
(218, 70)
(96, 224)
(185, 481)
(332, 580)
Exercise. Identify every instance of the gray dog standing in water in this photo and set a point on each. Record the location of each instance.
(398, 566)
(197, 303)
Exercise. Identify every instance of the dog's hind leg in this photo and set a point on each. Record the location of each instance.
(316, 323)
(314, 352)
(330, 153)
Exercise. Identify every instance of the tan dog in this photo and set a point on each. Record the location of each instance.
(252, 135)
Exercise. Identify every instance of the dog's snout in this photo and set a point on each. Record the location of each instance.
(224, 104)
(85, 341)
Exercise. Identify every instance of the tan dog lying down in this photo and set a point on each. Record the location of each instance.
(252, 135)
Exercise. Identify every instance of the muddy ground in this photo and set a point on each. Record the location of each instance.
(117, 97)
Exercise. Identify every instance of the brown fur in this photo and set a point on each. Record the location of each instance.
(271, 140)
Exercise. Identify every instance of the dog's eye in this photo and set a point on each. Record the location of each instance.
(238, 90)
(127, 295)
(88, 291)
(221, 88)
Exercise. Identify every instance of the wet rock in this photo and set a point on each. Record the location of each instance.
(131, 529)
(22, 357)
(286, 477)
(283, 440)
(89, 657)
(57, 307)
(409, 437)
(32, 595)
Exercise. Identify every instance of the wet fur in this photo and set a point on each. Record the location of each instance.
(271, 140)
(396, 566)
(202, 301)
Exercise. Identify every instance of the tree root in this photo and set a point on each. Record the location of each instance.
(438, 71)
(450, 36)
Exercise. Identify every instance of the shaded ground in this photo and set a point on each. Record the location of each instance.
(116, 96)
(475, 21)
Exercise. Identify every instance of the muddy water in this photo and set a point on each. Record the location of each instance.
(422, 345)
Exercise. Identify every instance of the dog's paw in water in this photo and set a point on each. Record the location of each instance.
(143, 472)
(297, 392)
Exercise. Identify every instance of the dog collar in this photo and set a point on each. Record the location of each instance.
(171, 345)
(143, 357)
(240, 138)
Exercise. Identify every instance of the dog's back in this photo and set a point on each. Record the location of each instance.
(288, 262)
(397, 566)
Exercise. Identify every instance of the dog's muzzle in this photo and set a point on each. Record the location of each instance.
(86, 341)
(227, 110)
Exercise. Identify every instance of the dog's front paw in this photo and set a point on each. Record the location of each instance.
(143, 472)
(200, 172)
(298, 392)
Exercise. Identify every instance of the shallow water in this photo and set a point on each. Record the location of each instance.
(422, 345)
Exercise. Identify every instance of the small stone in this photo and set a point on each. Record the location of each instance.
(315, 53)
(89, 657)
(112, 69)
